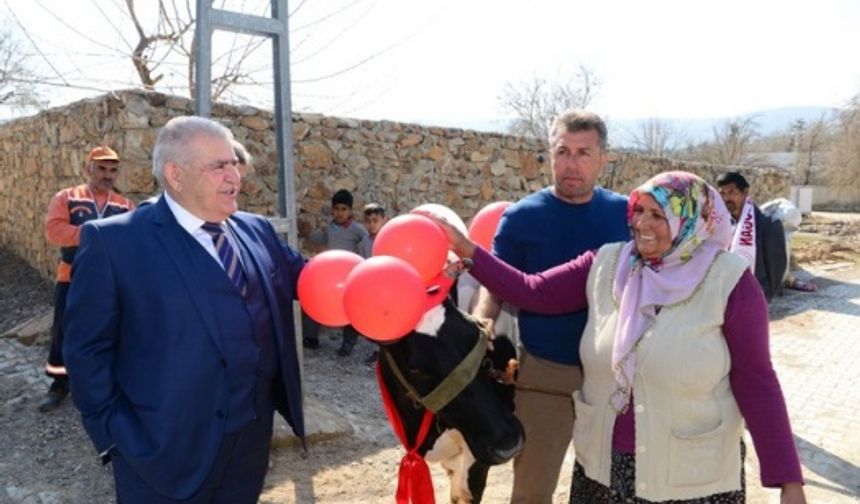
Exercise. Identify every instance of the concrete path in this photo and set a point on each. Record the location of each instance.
(815, 345)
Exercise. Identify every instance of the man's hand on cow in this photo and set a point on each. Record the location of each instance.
(509, 377)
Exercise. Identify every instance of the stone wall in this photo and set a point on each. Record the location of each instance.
(626, 171)
(398, 165)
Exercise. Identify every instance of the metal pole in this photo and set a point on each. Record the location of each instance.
(203, 62)
(276, 27)
(284, 121)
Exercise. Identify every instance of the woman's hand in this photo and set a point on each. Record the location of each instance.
(460, 244)
(792, 493)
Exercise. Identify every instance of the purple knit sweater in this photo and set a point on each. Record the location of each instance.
(752, 377)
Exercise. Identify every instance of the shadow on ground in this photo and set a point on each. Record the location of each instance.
(830, 467)
(833, 295)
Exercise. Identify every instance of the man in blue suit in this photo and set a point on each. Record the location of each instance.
(179, 331)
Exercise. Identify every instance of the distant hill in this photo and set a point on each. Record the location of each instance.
(624, 131)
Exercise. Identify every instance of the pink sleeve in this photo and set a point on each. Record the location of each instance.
(755, 385)
(560, 289)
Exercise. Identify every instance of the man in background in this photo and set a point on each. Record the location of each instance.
(757, 237)
(68, 211)
(542, 230)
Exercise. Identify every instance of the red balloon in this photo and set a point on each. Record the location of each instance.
(483, 227)
(415, 239)
(442, 212)
(321, 285)
(384, 298)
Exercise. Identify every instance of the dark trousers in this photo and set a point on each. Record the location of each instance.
(350, 335)
(236, 477)
(56, 366)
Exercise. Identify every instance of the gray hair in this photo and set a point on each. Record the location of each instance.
(172, 142)
(576, 120)
(242, 154)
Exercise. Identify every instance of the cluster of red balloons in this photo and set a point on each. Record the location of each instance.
(384, 297)
(486, 221)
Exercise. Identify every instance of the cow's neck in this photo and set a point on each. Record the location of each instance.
(411, 414)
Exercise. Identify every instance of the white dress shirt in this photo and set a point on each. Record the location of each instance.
(192, 224)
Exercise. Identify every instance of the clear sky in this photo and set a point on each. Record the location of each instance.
(447, 61)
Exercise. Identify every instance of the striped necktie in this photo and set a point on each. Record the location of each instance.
(228, 256)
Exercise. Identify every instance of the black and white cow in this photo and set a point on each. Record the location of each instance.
(477, 428)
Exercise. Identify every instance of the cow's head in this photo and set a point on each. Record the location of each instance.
(482, 412)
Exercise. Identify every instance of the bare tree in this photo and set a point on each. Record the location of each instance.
(157, 38)
(172, 29)
(16, 89)
(844, 159)
(795, 133)
(535, 103)
(173, 36)
(656, 137)
(808, 141)
(732, 140)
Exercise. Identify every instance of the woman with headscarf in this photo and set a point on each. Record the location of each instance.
(675, 354)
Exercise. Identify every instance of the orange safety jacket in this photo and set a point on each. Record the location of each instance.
(69, 210)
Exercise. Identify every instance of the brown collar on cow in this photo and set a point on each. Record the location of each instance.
(451, 385)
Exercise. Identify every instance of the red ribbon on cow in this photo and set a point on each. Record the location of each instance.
(414, 484)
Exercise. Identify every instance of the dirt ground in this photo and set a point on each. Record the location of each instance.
(827, 238)
(47, 458)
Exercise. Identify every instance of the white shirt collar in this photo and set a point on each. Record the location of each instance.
(186, 219)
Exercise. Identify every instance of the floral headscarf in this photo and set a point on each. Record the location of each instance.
(700, 227)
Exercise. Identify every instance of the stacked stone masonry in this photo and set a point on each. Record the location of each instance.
(398, 165)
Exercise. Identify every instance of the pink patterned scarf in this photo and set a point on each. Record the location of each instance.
(700, 227)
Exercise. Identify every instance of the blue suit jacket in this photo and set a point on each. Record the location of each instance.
(144, 355)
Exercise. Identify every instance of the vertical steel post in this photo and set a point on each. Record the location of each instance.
(276, 27)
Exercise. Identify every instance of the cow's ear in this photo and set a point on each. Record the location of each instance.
(431, 321)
